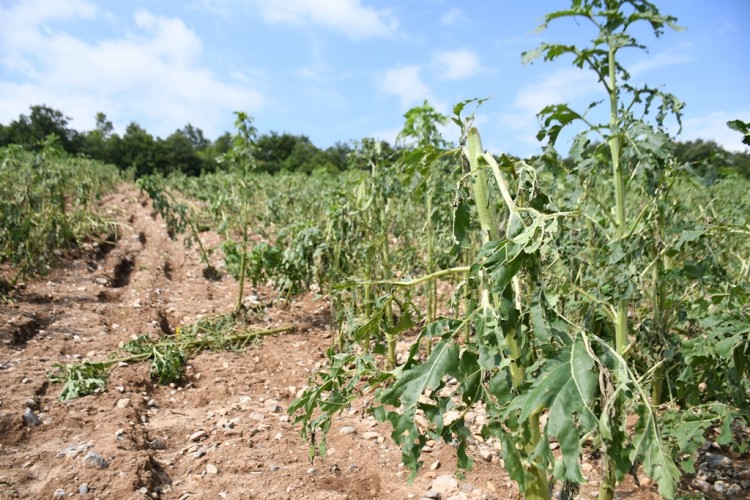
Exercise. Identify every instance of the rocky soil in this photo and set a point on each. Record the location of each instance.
(224, 432)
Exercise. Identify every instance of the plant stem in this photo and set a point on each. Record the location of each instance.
(609, 480)
(537, 487)
(659, 301)
(430, 288)
(422, 279)
(243, 260)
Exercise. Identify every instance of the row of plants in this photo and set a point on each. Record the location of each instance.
(48, 205)
(598, 302)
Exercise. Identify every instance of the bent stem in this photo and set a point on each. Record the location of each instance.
(537, 486)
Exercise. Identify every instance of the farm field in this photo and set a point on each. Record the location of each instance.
(223, 429)
(259, 318)
(222, 432)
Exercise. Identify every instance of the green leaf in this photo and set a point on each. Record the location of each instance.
(412, 382)
(566, 386)
(651, 452)
(461, 223)
(741, 127)
(512, 460)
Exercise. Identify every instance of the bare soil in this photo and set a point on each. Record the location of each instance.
(224, 432)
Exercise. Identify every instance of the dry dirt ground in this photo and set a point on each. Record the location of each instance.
(224, 432)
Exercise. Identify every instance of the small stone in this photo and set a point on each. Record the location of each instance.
(421, 421)
(444, 483)
(435, 465)
(458, 496)
(200, 452)
(157, 444)
(198, 435)
(485, 454)
(93, 460)
(83, 489)
(450, 417)
(123, 403)
(371, 435)
(431, 495)
(30, 418)
(311, 470)
(275, 409)
(347, 430)
(143, 490)
(273, 468)
(59, 493)
(469, 487)
(69, 451)
(721, 487)
(734, 489)
(716, 461)
(211, 469)
(744, 475)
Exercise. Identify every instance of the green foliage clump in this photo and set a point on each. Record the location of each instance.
(168, 355)
(48, 205)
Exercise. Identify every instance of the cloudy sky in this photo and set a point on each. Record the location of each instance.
(336, 70)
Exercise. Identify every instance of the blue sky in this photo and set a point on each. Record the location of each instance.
(336, 70)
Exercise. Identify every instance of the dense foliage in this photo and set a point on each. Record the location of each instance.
(186, 150)
(596, 302)
(48, 205)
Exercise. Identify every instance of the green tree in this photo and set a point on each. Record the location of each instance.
(338, 155)
(30, 131)
(94, 142)
(136, 149)
(272, 150)
(177, 153)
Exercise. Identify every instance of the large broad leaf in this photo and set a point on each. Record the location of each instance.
(418, 379)
(649, 449)
(567, 386)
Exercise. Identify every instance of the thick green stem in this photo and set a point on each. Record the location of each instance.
(659, 301)
(423, 279)
(609, 480)
(243, 261)
(487, 218)
(430, 288)
(537, 487)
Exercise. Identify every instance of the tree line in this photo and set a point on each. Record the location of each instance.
(187, 150)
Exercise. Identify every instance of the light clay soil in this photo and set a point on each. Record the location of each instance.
(146, 283)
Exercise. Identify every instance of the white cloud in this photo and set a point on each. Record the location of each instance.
(406, 83)
(387, 135)
(569, 86)
(154, 71)
(453, 16)
(349, 17)
(563, 86)
(456, 64)
(676, 55)
(713, 126)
